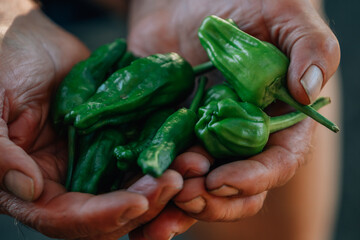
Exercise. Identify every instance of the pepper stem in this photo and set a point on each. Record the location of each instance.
(199, 94)
(283, 95)
(203, 68)
(289, 119)
(71, 155)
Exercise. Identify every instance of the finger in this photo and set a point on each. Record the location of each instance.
(19, 174)
(198, 203)
(191, 164)
(158, 191)
(269, 169)
(171, 222)
(60, 214)
(313, 49)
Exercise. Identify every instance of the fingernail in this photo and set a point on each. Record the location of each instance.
(312, 81)
(19, 184)
(225, 191)
(171, 236)
(196, 205)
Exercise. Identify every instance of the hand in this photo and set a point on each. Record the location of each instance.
(294, 26)
(238, 189)
(36, 55)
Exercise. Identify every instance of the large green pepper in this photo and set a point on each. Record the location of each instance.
(127, 154)
(96, 166)
(148, 83)
(228, 128)
(175, 135)
(85, 77)
(256, 69)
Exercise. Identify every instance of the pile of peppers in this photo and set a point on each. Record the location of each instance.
(121, 111)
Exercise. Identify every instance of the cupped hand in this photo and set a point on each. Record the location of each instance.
(238, 189)
(35, 56)
(294, 26)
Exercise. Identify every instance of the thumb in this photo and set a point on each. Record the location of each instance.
(313, 48)
(19, 174)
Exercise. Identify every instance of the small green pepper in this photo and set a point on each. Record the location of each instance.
(256, 69)
(81, 82)
(96, 170)
(148, 83)
(84, 78)
(127, 154)
(219, 92)
(126, 60)
(228, 128)
(175, 135)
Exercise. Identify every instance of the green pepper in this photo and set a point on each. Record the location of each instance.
(84, 78)
(174, 136)
(116, 120)
(127, 154)
(96, 170)
(126, 60)
(256, 69)
(228, 128)
(219, 92)
(81, 82)
(148, 83)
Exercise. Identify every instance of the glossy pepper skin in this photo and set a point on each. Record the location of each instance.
(96, 166)
(174, 136)
(219, 92)
(254, 68)
(228, 128)
(127, 154)
(126, 60)
(85, 77)
(148, 83)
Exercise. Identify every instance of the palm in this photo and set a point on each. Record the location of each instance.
(32, 68)
(34, 63)
(174, 26)
(29, 78)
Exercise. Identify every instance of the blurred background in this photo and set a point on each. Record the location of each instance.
(95, 26)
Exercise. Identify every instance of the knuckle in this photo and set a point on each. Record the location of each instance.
(330, 45)
(173, 179)
(253, 208)
(327, 47)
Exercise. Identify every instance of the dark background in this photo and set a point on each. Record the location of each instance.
(95, 26)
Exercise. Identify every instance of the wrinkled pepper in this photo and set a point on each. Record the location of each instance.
(85, 77)
(96, 169)
(81, 83)
(127, 154)
(126, 60)
(229, 128)
(174, 136)
(148, 83)
(219, 92)
(254, 68)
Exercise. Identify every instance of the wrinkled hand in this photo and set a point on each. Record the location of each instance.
(238, 189)
(35, 56)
